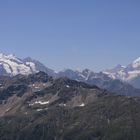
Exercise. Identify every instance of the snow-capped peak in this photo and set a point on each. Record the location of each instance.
(11, 65)
(136, 63)
(127, 73)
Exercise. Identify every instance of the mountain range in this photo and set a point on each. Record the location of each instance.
(120, 80)
(39, 107)
(37, 103)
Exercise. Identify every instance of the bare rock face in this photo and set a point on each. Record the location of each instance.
(36, 89)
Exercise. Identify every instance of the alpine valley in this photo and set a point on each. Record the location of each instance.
(37, 103)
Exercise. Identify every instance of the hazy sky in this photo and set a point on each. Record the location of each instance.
(77, 34)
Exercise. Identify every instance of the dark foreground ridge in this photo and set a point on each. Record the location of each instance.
(39, 107)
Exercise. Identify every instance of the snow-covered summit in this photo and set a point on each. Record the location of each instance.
(12, 65)
(136, 63)
(126, 73)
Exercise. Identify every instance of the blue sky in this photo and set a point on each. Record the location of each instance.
(77, 34)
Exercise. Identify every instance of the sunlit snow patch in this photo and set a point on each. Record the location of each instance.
(38, 110)
(67, 86)
(82, 105)
(40, 102)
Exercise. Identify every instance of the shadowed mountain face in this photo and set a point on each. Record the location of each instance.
(39, 107)
(41, 89)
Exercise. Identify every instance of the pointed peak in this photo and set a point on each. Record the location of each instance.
(137, 60)
(136, 63)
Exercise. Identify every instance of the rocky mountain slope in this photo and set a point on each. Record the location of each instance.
(40, 89)
(39, 107)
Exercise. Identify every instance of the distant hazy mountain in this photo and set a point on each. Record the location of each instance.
(101, 80)
(129, 73)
